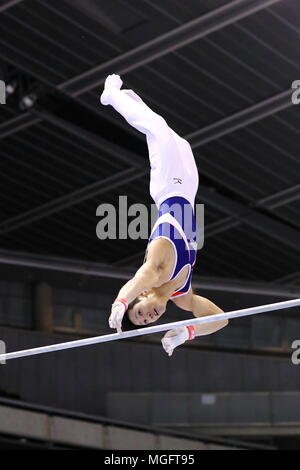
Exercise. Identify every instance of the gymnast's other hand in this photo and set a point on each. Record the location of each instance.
(174, 338)
(118, 310)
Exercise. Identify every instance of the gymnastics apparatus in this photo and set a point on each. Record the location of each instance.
(151, 329)
(167, 269)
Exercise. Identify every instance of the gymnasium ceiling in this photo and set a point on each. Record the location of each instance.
(220, 72)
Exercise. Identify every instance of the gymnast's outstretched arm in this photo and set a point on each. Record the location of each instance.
(152, 273)
(146, 277)
(201, 307)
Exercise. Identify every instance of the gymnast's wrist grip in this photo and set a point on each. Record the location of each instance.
(122, 301)
(191, 332)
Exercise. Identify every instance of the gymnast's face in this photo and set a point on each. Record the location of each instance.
(148, 309)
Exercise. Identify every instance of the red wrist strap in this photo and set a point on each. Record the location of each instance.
(192, 332)
(123, 301)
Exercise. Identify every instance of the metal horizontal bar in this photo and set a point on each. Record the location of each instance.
(151, 329)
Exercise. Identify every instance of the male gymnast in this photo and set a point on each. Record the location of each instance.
(171, 252)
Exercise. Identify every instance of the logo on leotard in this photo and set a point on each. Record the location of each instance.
(177, 180)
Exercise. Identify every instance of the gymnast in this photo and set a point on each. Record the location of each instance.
(171, 252)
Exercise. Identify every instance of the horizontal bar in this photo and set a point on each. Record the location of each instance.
(151, 329)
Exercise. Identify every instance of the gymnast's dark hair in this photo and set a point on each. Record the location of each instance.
(132, 304)
(126, 322)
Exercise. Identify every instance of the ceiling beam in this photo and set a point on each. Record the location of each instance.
(107, 271)
(270, 202)
(260, 221)
(70, 199)
(133, 59)
(281, 198)
(97, 141)
(291, 278)
(6, 4)
(16, 124)
(169, 42)
(241, 119)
